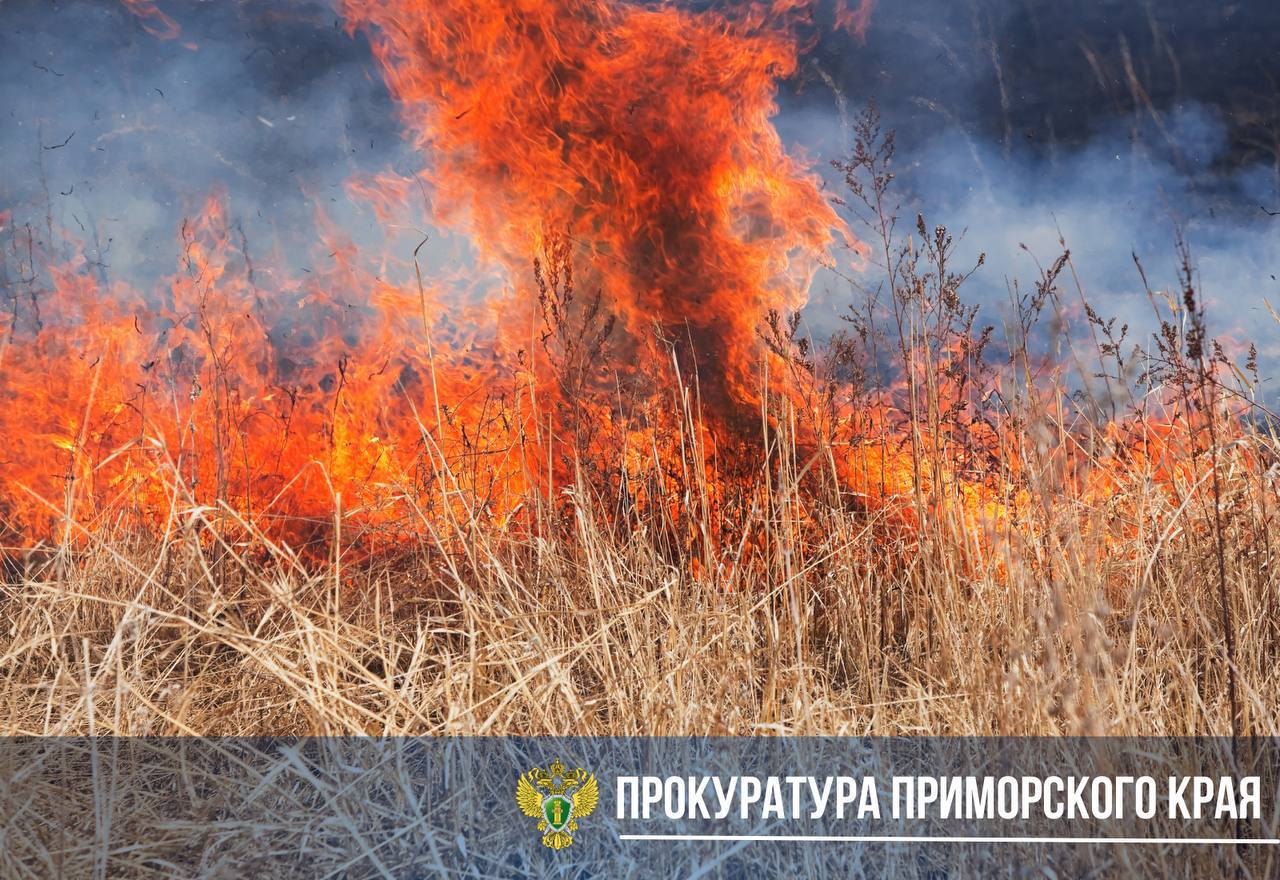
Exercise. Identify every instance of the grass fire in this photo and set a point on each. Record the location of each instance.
(553, 439)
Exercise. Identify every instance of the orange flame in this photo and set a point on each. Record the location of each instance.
(628, 145)
(643, 134)
(626, 151)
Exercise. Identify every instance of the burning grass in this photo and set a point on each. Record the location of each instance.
(627, 494)
(973, 548)
(1102, 617)
(249, 501)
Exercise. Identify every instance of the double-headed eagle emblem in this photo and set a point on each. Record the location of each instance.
(558, 797)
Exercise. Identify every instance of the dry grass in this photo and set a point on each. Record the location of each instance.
(1046, 561)
(1094, 622)
(1080, 625)
(985, 547)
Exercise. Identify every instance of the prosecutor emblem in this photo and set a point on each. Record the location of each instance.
(558, 798)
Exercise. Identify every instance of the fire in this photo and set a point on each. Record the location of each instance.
(121, 403)
(642, 135)
(618, 162)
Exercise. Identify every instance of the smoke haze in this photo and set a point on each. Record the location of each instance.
(1018, 123)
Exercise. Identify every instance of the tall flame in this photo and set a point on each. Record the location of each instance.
(615, 159)
(627, 146)
(642, 133)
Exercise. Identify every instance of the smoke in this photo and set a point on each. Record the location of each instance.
(1021, 125)
(1017, 123)
(1108, 201)
(1105, 201)
(114, 134)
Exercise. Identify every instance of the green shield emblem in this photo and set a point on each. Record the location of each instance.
(556, 809)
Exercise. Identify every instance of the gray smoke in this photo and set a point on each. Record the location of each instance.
(1017, 121)
(1113, 126)
(115, 135)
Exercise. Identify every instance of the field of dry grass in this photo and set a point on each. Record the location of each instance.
(925, 535)
(1073, 630)
(1089, 612)
(251, 503)
(1043, 560)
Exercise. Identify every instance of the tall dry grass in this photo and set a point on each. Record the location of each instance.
(1057, 556)
(1088, 615)
(1072, 629)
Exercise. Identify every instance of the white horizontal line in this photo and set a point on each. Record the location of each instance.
(838, 838)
